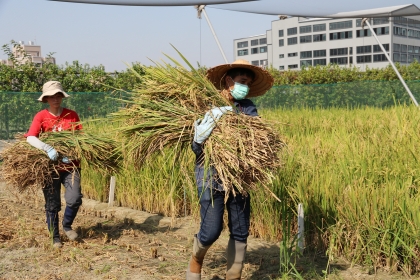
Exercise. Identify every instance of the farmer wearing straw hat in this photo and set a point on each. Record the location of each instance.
(235, 81)
(54, 119)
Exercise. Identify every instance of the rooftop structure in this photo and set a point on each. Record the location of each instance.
(28, 52)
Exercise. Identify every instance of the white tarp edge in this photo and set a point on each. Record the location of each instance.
(153, 2)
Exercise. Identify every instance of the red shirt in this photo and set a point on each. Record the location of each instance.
(44, 121)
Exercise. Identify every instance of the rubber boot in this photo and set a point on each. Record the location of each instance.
(52, 223)
(235, 259)
(68, 218)
(196, 261)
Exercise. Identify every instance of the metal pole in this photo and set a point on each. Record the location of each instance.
(301, 228)
(390, 61)
(201, 9)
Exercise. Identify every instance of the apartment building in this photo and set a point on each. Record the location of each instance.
(296, 42)
(33, 54)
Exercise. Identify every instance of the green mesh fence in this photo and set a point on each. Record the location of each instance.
(341, 95)
(17, 109)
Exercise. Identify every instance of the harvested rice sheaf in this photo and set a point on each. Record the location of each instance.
(244, 151)
(25, 167)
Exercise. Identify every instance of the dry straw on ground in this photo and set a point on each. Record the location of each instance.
(25, 167)
(243, 150)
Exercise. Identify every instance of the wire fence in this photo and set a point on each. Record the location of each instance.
(17, 109)
(379, 94)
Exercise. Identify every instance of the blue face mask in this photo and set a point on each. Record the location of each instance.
(239, 91)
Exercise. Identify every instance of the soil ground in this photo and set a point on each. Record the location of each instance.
(122, 243)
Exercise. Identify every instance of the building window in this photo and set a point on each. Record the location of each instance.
(263, 41)
(413, 23)
(292, 54)
(339, 60)
(281, 67)
(341, 35)
(377, 21)
(396, 57)
(320, 53)
(255, 62)
(377, 48)
(254, 50)
(403, 48)
(319, 27)
(292, 41)
(242, 52)
(403, 58)
(292, 66)
(281, 42)
(264, 62)
(306, 54)
(281, 55)
(400, 21)
(381, 30)
(320, 62)
(306, 63)
(306, 39)
(397, 47)
(291, 31)
(263, 49)
(413, 33)
(281, 33)
(340, 51)
(363, 33)
(243, 44)
(305, 29)
(400, 31)
(364, 49)
(254, 42)
(364, 58)
(320, 37)
(410, 58)
(341, 25)
(416, 49)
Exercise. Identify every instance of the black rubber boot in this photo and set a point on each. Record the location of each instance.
(68, 218)
(53, 223)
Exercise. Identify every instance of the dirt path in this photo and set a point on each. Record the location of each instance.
(121, 243)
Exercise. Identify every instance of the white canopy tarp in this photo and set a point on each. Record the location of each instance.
(326, 8)
(153, 2)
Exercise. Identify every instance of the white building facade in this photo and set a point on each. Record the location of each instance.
(296, 42)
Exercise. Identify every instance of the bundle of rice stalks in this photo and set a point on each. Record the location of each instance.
(163, 109)
(244, 152)
(25, 167)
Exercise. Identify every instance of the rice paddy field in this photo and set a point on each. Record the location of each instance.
(355, 171)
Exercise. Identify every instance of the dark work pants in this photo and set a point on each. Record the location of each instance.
(73, 195)
(212, 206)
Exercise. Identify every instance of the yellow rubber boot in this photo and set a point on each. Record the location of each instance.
(196, 261)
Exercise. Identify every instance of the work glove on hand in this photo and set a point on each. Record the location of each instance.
(218, 112)
(52, 153)
(203, 128)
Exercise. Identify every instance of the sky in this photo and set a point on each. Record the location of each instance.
(114, 36)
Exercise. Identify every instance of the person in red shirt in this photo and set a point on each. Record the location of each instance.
(55, 119)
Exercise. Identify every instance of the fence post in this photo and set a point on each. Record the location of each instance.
(301, 228)
(111, 192)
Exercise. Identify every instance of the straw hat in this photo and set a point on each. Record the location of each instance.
(262, 83)
(50, 88)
